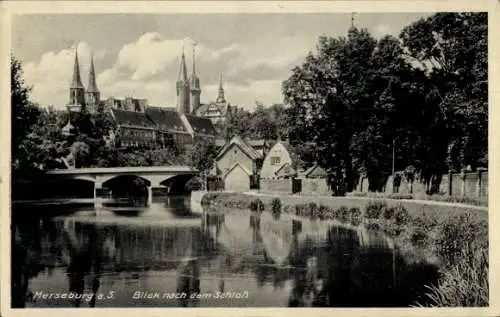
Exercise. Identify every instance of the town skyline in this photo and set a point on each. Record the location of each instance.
(144, 62)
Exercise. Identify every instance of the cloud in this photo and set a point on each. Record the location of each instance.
(382, 30)
(270, 53)
(265, 91)
(147, 67)
(51, 76)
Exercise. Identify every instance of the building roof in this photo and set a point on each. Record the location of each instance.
(233, 167)
(166, 119)
(210, 109)
(201, 125)
(315, 171)
(247, 149)
(128, 103)
(132, 118)
(286, 170)
(256, 143)
(220, 142)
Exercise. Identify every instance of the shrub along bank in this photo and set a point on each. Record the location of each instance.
(455, 238)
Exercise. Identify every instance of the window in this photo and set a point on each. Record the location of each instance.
(275, 160)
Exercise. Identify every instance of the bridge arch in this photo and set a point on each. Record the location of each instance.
(129, 186)
(177, 184)
(85, 178)
(115, 179)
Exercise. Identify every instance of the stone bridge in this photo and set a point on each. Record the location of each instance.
(173, 178)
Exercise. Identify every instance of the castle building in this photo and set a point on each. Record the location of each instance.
(139, 124)
(217, 111)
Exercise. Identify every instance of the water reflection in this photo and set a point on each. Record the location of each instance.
(168, 249)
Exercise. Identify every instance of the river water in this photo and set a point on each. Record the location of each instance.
(166, 255)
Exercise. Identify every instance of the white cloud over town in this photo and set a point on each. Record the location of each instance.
(139, 56)
(148, 68)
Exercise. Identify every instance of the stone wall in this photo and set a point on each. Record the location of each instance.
(473, 184)
(315, 186)
(276, 185)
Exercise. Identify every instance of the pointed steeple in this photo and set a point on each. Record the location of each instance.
(195, 84)
(183, 87)
(220, 97)
(182, 76)
(92, 87)
(76, 90)
(194, 59)
(76, 83)
(93, 96)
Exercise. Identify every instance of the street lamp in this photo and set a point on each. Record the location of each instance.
(393, 162)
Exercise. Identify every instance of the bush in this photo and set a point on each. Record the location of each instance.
(313, 210)
(257, 205)
(393, 230)
(288, 209)
(375, 208)
(276, 208)
(356, 215)
(208, 198)
(459, 235)
(299, 210)
(465, 284)
(419, 238)
(462, 246)
(343, 214)
(388, 213)
(427, 222)
(323, 212)
(401, 215)
(372, 226)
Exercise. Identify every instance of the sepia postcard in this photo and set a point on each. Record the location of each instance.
(249, 158)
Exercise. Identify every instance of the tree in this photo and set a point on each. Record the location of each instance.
(452, 48)
(199, 155)
(425, 93)
(24, 115)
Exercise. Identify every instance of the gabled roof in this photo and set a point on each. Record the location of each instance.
(233, 167)
(201, 125)
(165, 119)
(204, 109)
(132, 118)
(256, 143)
(220, 142)
(237, 141)
(285, 170)
(315, 171)
(68, 127)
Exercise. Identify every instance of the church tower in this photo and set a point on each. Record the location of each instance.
(76, 90)
(93, 95)
(183, 87)
(220, 97)
(195, 85)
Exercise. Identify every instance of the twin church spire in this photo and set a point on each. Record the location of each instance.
(78, 97)
(189, 90)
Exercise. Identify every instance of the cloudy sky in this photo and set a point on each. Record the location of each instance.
(138, 54)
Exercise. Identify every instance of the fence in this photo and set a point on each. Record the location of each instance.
(474, 184)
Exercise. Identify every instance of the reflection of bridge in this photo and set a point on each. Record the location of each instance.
(173, 178)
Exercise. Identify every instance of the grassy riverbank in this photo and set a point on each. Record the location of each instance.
(453, 237)
(476, 201)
